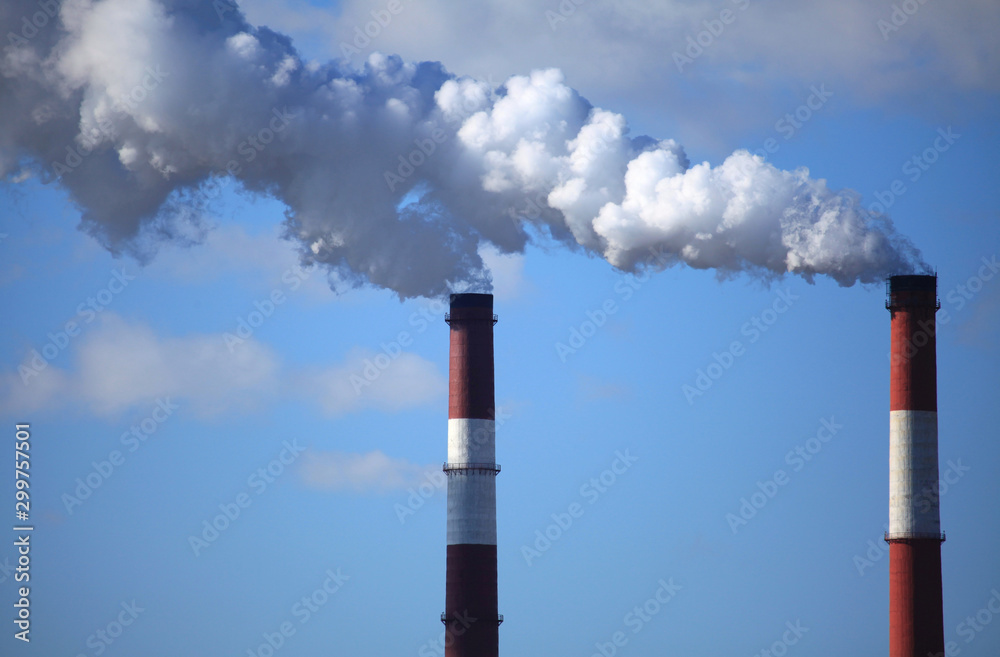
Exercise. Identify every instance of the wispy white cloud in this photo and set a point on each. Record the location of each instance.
(370, 380)
(361, 473)
(120, 365)
(43, 388)
(124, 364)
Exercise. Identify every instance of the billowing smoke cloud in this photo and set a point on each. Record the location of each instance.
(396, 174)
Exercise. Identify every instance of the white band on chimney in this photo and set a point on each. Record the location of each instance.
(472, 507)
(471, 441)
(913, 474)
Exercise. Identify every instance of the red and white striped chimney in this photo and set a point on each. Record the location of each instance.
(471, 619)
(916, 623)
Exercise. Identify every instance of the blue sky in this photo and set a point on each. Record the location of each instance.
(336, 482)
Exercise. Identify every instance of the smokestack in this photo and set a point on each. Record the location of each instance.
(915, 608)
(471, 619)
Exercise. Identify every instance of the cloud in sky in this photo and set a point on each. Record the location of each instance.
(371, 472)
(121, 365)
(373, 380)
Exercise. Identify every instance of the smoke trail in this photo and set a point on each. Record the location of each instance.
(394, 175)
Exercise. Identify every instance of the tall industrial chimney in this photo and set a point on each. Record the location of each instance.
(470, 617)
(916, 623)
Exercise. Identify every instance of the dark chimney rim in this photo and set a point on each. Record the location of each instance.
(911, 291)
(913, 283)
(472, 300)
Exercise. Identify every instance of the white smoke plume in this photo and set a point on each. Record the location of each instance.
(395, 175)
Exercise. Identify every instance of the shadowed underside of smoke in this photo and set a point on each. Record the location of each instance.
(394, 175)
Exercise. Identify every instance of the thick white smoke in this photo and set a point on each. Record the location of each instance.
(396, 174)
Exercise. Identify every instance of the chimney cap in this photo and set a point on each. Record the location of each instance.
(911, 290)
(472, 300)
(913, 283)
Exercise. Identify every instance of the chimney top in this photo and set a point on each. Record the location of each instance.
(913, 283)
(472, 300)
